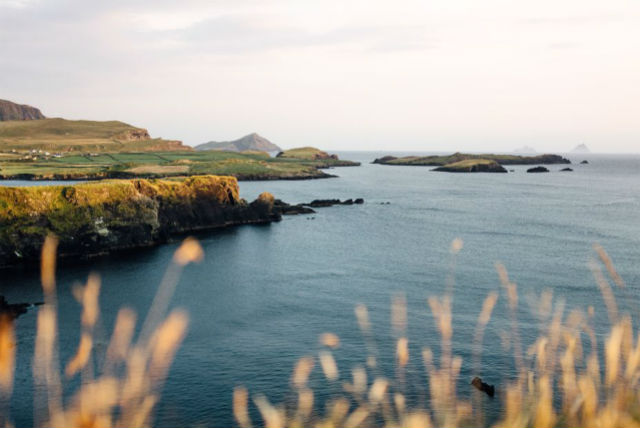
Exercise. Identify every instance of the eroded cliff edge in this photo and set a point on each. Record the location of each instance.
(97, 218)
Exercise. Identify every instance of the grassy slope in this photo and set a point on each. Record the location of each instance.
(61, 135)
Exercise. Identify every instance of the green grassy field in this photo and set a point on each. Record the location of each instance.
(244, 166)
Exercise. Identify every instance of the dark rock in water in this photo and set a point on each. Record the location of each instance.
(566, 169)
(538, 169)
(286, 209)
(484, 387)
(320, 203)
(584, 162)
(14, 310)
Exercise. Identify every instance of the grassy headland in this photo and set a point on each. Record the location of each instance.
(99, 217)
(314, 154)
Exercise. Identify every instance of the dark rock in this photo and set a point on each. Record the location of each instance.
(347, 202)
(566, 169)
(584, 162)
(484, 387)
(359, 201)
(538, 169)
(14, 310)
(320, 203)
(284, 208)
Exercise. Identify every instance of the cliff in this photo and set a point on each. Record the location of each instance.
(98, 218)
(12, 111)
(251, 142)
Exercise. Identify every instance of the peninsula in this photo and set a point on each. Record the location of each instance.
(33, 147)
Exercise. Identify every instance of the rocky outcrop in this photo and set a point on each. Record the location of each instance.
(538, 169)
(566, 170)
(133, 135)
(251, 142)
(584, 162)
(283, 208)
(478, 384)
(97, 218)
(12, 111)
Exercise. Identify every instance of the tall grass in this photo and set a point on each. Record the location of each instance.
(122, 391)
(560, 381)
(564, 378)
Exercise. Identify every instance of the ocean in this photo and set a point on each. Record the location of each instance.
(263, 294)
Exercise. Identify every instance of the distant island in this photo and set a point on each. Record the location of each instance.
(251, 142)
(525, 150)
(581, 148)
(33, 147)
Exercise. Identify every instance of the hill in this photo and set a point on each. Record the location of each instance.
(251, 142)
(12, 111)
(61, 135)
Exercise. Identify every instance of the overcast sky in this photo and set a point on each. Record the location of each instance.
(338, 74)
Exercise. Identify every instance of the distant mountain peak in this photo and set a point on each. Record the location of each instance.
(581, 148)
(525, 149)
(12, 111)
(252, 141)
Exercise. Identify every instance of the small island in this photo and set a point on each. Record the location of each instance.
(472, 165)
(313, 154)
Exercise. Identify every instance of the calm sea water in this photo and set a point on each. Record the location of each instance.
(263, 294)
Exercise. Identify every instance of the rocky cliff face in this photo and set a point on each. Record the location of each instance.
(13, 111)
(98, 218)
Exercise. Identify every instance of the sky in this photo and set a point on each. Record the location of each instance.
(427, 75)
